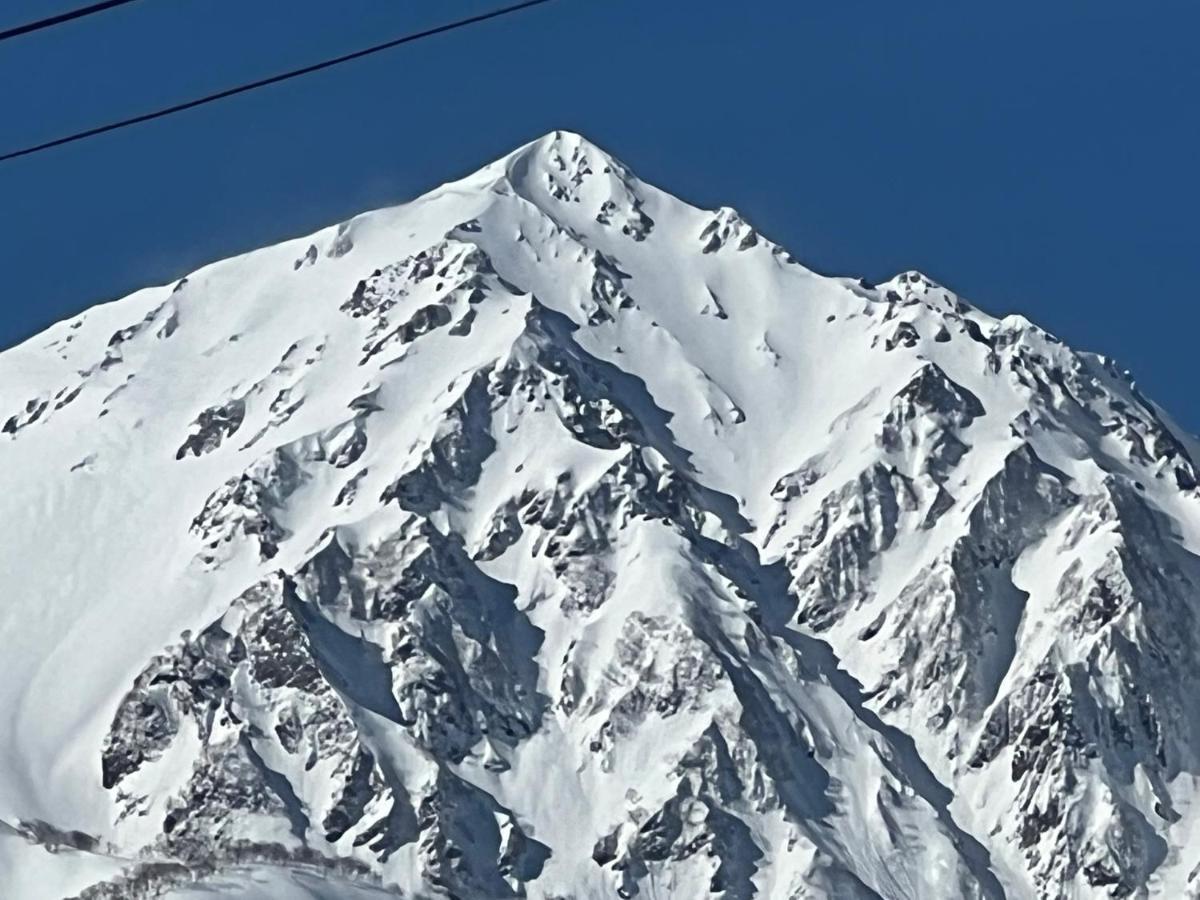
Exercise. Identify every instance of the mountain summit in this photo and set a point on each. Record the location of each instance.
(547, 536)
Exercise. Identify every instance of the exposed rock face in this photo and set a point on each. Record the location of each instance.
(557, 539)
(211, 427)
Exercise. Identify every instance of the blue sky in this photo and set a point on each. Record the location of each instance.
(1036, 157)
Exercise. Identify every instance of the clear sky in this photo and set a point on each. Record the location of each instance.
(1037, 157)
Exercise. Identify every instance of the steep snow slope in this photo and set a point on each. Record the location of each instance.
(549, 537)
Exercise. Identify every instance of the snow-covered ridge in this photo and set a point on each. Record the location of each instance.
(547, 536)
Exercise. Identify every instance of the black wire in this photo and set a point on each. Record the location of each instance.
(61, 17)
(273, 79)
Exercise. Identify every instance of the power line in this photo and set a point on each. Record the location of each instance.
(61, 18)
(273, 79)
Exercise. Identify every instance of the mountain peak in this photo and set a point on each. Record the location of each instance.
(548, 536)
(563, 143)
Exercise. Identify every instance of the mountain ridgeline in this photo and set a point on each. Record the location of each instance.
(549, 537)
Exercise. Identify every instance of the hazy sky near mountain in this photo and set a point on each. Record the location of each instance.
(1037, 157)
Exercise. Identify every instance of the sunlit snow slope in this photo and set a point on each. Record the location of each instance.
(547, 536)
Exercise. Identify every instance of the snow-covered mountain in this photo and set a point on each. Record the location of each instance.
(547, 536)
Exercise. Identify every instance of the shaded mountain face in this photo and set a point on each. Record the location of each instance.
(549, 537)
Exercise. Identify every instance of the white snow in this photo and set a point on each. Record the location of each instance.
(741, 369)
